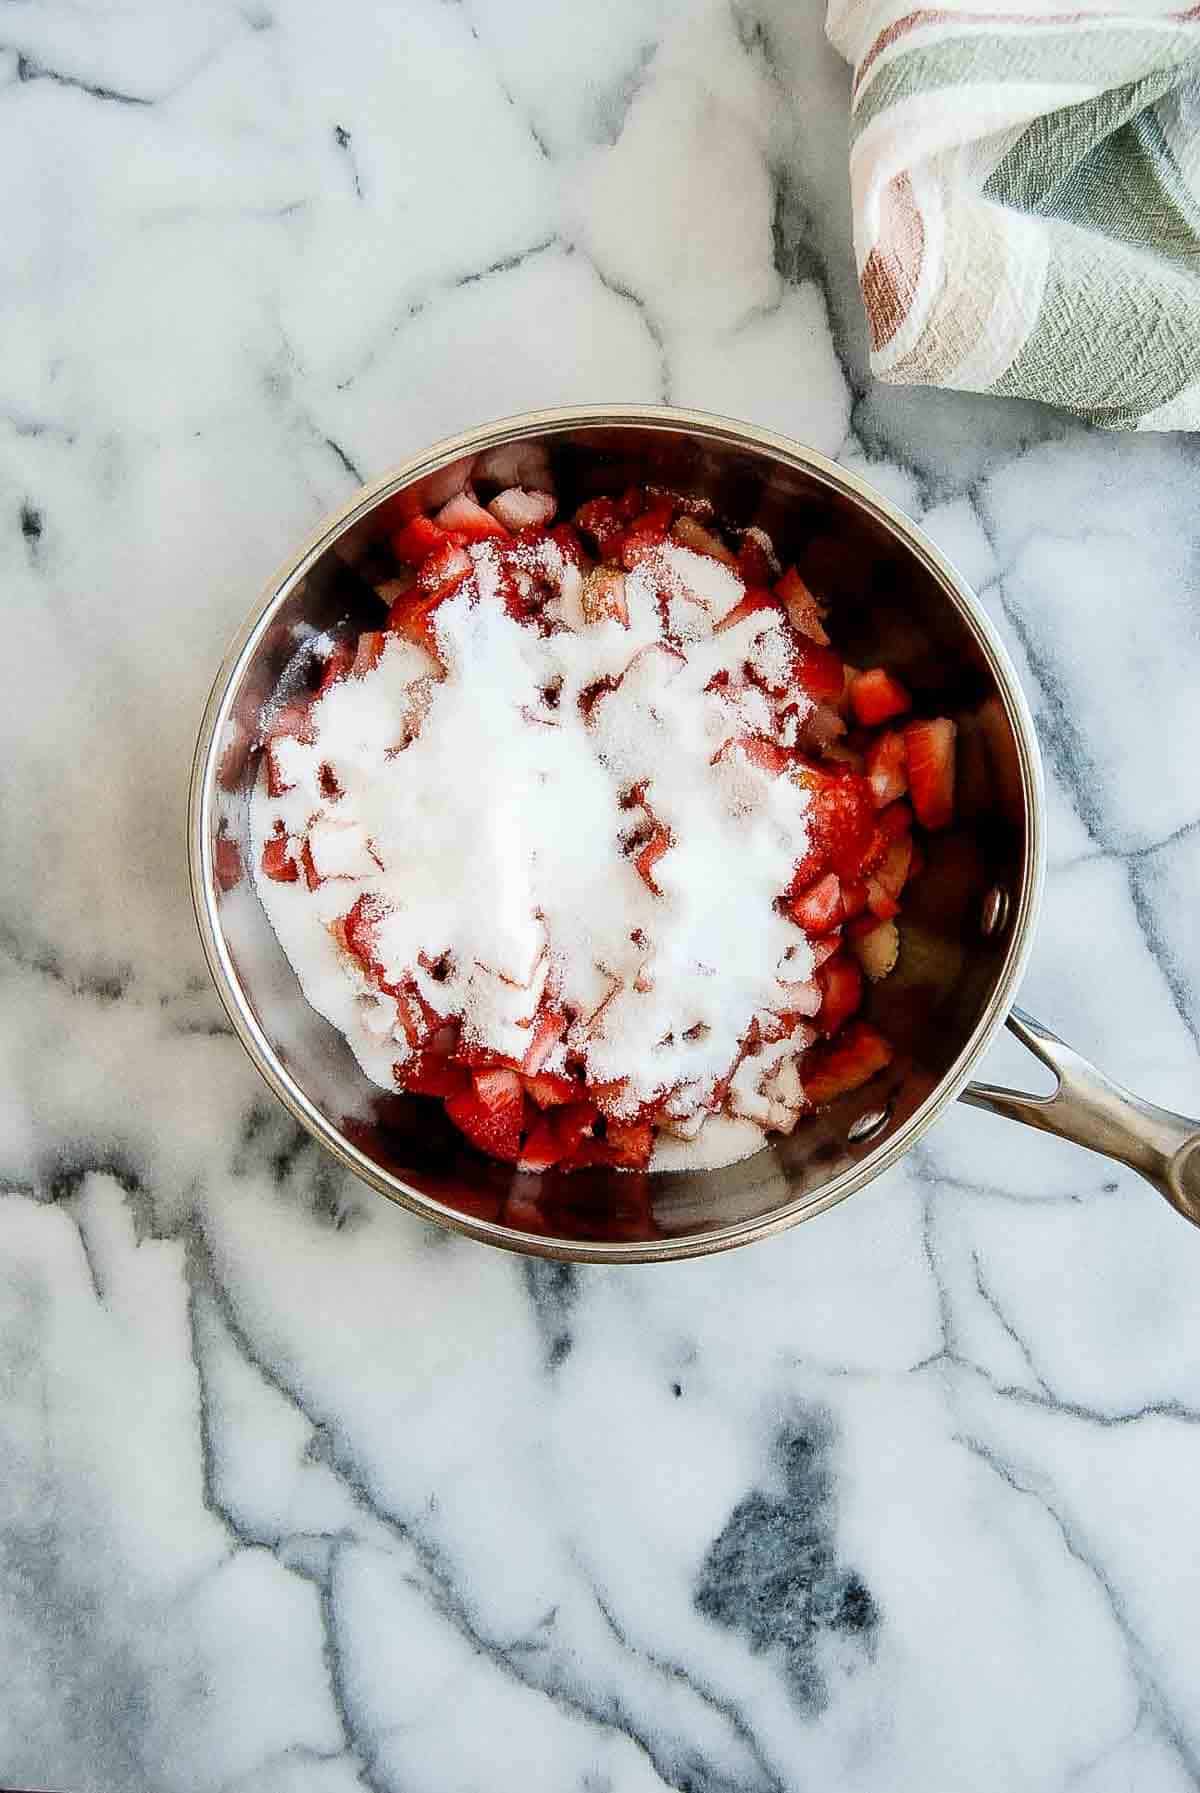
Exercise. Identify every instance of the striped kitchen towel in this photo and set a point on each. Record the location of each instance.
(1026, 195)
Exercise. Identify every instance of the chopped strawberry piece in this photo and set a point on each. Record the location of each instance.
(804, 613)
(603, 597)
(929, 747)
(842, 820)
(646, 533)
(820, 906)
(844, 1064)
(875, 697)
(417, 540)
(841, 992)
(548, 1030)
(543, 1148)
(600, 520)
(429, 1074)
(357, 933)
(461, 516)
(496, 1131)
(549, 1090)
(819, 671)
(369, 652)
(824, 947)
(753, 562)
(291, 722)
(876, 946)
(757, 598)
(889, 878)
(854, 896)
(887, 768)
(691, 533)
(518, 509)
(628, 1144)
(573, 1123)
(337, 665)
(227, 861)
(658, 844)
(412, 617)
(278, 861)
(759, 750)
(498, 1088)
(444, 570)
(566, 539)
(631, 503)
(895, 822)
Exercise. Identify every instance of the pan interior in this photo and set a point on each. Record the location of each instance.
(893, 603)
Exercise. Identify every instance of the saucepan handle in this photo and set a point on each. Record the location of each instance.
(1092, 1111)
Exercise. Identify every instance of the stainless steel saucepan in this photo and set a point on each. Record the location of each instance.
(968, 921)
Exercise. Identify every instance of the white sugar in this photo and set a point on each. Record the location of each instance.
(494, 819)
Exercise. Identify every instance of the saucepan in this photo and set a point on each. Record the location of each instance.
(967, 927)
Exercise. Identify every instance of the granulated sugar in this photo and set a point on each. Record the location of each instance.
(498, 846)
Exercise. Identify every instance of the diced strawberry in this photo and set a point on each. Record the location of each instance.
(646, 533)
(759, 750)
(929, 747)
(824, 947)
(757, 598)
(358, 933)
(844, 1064)
(753, 561)
(819, 671)
(566, 539)
(416, 540)
(312, 876)
(805, 614)
(841, 820)
(889, 878)
(854, 896)
(605, 1096)
(498, 1088)
(429, 1074)
(549, 1090)
(887, 768)
(819, 908)
(875, 697)
(628, 1144)
(631, 503)
(543, 1148)
(337, 665)
(573, 1123)
(444, 570)
(691, 533)
(658, 844)
(277, 860)
(518, 509)
(412, 617)
(841, 992)
(461, 516)
(895, 822)
(291, 721)
(600, 520)
(227, 861)
(496, 1131)
(548, 1030)
(369, 652)
(876, 946)
(603, 597)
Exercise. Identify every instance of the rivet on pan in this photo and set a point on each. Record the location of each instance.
(869, 1125)
(995, 911)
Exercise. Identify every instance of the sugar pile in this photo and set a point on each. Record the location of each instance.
(499, 844)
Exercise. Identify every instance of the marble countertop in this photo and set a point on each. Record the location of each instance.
(298, 1496)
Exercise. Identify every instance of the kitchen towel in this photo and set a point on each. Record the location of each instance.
(1026, 193)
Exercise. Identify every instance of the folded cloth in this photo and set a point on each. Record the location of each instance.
(1026, 195)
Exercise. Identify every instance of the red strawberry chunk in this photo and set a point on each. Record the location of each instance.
(819, 671)
(844, 1064)
(875, 697)
(841, 820)
(753, 562)
(498, 1087)
(600, 520)
(369, 651)
(548, 1030)
(444, 570)
(804, 613)
(644, 534)
(929, 748)
(759, 750)
(573, 1123)
(543, 1148)
(227, 861)
(357, 933)
(889, 878)
(841, 985)
(854, 896)
(895, 822)
(628, 1144)
(429, 1074)
(461, 516)
(496, 1131)
(819, 908)
(549, 1090)
(417, 540)
(887, 768)
(757, 598)
(278, 861)
(658, 844)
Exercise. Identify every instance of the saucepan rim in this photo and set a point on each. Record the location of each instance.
(1024, 907)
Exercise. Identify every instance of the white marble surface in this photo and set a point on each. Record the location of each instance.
(297, 1496)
